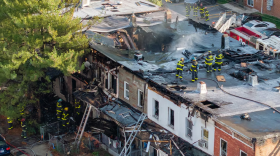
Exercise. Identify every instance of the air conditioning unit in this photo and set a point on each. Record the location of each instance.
(203, 143)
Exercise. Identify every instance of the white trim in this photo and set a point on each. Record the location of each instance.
(221, 146)
(234, 137)
(243, 152)
(187, 121)
(138, 98)
(124, 90)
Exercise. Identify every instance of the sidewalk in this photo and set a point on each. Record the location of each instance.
(238, 9)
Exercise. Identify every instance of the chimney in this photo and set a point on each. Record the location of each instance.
(201, 87)
(133, 20)
(225, 42)
(253, 79)
(167, 16)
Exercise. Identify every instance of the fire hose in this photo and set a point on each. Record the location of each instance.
(240, 96)
(14, 146)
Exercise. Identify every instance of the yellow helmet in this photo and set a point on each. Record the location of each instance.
(182, 59)
(66, 108)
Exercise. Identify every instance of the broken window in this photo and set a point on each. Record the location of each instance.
(114, 84)
(140, 98)
(126, 90)
(189, 127)
(106, 82)
(73, 85)
(243, 153)
(62, 84)
(250, 2)
(156, 109)
(223, 147)
(205, 134)
(171, 117)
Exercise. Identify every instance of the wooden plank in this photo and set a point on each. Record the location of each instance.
(221, 78)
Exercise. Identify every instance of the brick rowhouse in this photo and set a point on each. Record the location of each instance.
(235, 143)
(263, 8)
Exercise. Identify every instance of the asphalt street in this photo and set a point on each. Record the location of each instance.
(215, 11)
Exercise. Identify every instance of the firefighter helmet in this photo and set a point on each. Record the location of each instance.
(66, 108)
(23, 119)
(209, 51)
(182, 59)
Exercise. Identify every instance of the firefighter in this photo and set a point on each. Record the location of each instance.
(208, 61)
(188, 10)
(65, 118)
(195, 9)
(201, 11)
(206, 14)
(179, 69)
(77, 107)
(58, 109)
(10, 123)
(194, 69)
(23, 126)
(218, 61)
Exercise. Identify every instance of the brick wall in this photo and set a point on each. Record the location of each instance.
(274, 9)
(135, 83)
(234, 146)
(268, 147)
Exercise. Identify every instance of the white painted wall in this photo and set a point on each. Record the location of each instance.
(180, 115)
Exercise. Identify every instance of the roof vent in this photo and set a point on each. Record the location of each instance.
(253, 79)
(138, 57)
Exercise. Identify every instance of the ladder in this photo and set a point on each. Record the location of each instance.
(83, 124)
(133, 134)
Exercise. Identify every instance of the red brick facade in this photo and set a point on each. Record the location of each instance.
(234, 146)
(258, 5)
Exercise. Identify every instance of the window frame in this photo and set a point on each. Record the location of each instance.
(250, 2)
(221, 146)
(154, 109)
(188, 128)
(243, 152)
(139, 102)
(125, 90)
(202, 134)
(170, 118)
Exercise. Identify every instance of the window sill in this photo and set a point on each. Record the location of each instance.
(126, 98)
(171, 126)
(189, 137)
(155, 116)
(140, 106)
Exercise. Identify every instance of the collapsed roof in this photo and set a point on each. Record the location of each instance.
(159, 67)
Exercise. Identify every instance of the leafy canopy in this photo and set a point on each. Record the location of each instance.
(36, 35)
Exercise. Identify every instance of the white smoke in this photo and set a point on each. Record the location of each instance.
(188, 42)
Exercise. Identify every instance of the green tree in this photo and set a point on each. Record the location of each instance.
(36, 35)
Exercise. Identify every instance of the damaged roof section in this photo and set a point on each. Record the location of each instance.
(93, 98)
(109, 8)
(122, 113)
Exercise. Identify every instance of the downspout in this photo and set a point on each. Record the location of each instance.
(262, 7)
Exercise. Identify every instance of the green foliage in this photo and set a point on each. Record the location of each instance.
(223, 1)
(32, 126)
(35, 35)
(156, 2)
(271, 19)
